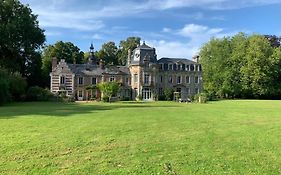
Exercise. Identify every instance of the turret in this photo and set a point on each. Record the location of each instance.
(92, 59)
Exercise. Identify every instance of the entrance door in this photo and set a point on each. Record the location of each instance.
(146, 94)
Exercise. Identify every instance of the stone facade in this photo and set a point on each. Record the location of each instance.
(143, 77)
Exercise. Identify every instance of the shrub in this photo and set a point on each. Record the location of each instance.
(105, 99)
(201, 98)
(17, 86)
(161, 97)
(36, 93)
(168, 94)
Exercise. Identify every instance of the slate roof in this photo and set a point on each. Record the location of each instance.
(175, 60)
(144, 47)
(95, 70)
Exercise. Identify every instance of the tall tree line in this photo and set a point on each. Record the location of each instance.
(242, 66)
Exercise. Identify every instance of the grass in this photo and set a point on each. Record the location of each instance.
(224, 137)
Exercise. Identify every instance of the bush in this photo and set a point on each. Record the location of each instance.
(161, 98)
(36, 93)
(201, 98)
(105, 99)
(17, 87)
(168, 94)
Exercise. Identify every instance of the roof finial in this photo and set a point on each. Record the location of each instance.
(91, 47)
(143, 42)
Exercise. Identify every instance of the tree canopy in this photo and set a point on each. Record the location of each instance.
(21, 38)
(108, 89)
(125, 45)
(241, 66)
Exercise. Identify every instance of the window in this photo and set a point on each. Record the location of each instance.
(187, 68)
(170, 67)
(196, 90)
(179, 67)
(80, 94)
(127, 80)
(146, 78)
(191, 67)
(187, 79)
(80, 80)
(161, 78)
(94, 80)
(62, 80)
(135, 78)
(178, 79)
(112, 78)
(188, 90)
(197, 68)
(146, 65)
(174, 67)
(196, 79)
(183, 67)
(170, 80)
(161, 66)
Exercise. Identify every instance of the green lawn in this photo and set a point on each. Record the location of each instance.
(224, 137)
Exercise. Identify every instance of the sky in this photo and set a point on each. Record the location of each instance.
(176, 28)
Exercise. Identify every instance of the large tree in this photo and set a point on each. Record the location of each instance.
(109, 53)
(241, 66)
(21, 38)
(60, 50)
(125, 45)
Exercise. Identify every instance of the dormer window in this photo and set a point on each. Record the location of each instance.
(183, 67)
(170, 67)
(80, 80)
(187, 68)
(191, 67)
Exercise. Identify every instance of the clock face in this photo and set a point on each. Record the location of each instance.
(137, 55)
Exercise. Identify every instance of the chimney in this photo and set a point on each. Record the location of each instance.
(101, 63)
(196, 58)
(129, 57)
(54, 63)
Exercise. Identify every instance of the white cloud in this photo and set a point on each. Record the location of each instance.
(173, 49)
(194, 37)
(194, 30)
(97, 37)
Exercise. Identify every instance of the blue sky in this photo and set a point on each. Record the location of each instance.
(176, 28)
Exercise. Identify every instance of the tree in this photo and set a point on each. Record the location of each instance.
(108, 89)
(21, 38)
(60, 50)
(125, 45)
(108, 53)
(241, 66)
(215, 65)
(255, 72)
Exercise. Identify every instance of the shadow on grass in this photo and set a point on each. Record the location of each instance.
(56, 109)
